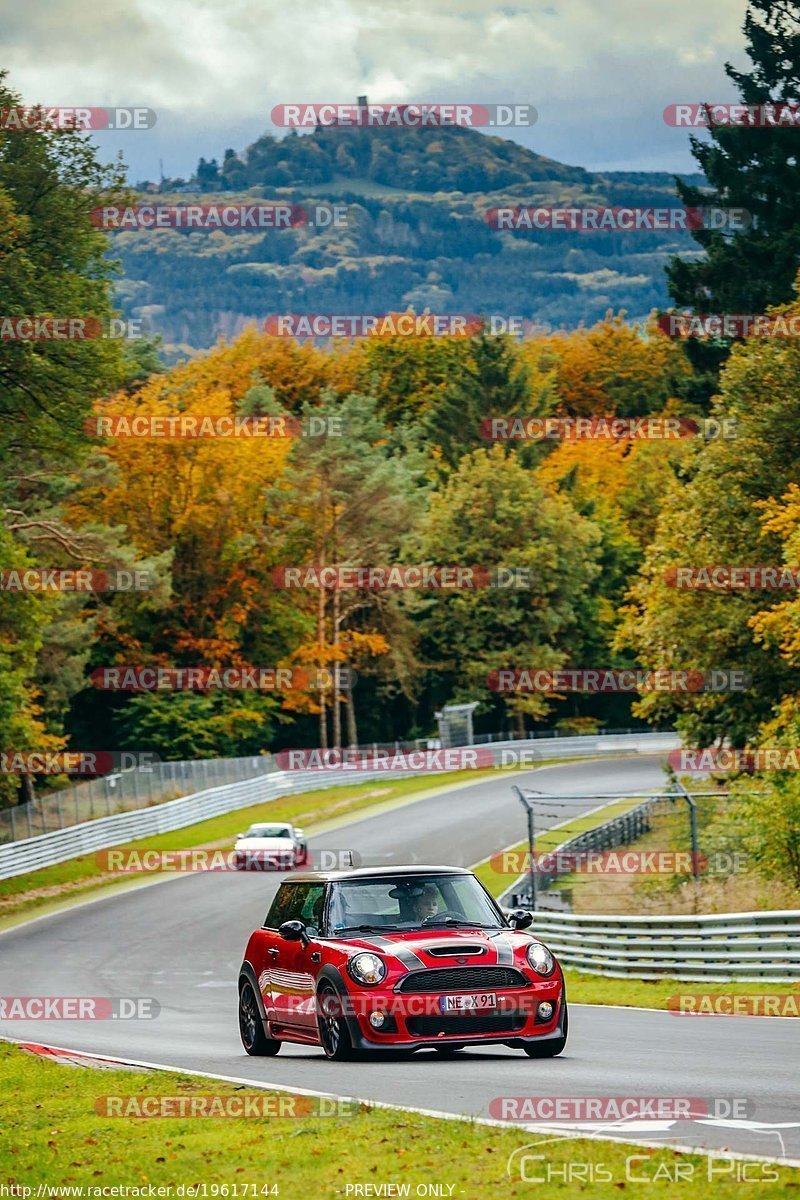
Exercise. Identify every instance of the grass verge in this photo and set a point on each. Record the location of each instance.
(54, 1137)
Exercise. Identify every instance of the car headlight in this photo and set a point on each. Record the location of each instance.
(540, 958)
(367, 969)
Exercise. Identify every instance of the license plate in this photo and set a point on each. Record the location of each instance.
(477, 1000)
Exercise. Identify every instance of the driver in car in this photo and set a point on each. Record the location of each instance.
(426, 904)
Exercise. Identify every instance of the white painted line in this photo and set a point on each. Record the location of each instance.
(669, 1012)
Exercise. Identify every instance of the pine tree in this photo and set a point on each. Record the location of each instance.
(756, 168)
(492, 382)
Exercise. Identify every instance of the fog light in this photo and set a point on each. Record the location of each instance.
(545, 1010)
(378, 1019)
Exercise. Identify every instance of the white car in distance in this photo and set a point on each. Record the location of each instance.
(270, 846)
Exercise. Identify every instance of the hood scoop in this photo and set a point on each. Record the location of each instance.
(463, 950)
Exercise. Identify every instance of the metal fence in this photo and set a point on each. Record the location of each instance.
(266, 784)
(126, 791)
(721, 947)
(619, 831)
(141, 787)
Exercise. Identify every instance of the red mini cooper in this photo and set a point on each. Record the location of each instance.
(397, 959)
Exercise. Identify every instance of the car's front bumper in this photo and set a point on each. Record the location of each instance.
(543, 1033)
(416, 1020)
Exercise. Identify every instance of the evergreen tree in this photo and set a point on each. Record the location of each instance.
(490, 382)
(756, 168)
(208, 175)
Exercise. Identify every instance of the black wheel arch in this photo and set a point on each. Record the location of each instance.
(246, 972)
(333, 976)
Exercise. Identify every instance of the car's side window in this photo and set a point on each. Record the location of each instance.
(297, 902)
(313, 905)
(287, 904)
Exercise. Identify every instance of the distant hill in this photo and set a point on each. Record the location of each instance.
(416, 236)
(417, 160)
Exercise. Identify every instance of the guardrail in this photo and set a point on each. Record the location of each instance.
(721, 947)
(703, 947)
(47, 849)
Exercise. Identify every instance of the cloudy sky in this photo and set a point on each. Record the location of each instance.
(599, 72)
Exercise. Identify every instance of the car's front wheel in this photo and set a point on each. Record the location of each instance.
(251, 1027)
(333, 1032)
(552, 1046)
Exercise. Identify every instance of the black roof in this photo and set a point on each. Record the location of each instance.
(373, 872)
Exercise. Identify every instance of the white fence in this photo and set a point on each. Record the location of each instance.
(721, 947)
(31, 853)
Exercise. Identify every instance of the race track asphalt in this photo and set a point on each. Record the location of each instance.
(181, 942)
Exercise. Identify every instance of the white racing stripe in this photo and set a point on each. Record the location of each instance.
(405, 954)
(505, 951)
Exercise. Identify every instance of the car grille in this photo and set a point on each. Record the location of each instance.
(433, 1026)
(462, 979)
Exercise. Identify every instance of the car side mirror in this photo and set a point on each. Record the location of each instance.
(294, 931)
(520, 918)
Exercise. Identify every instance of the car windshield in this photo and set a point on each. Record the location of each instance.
(268, 831)
(411, 902)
